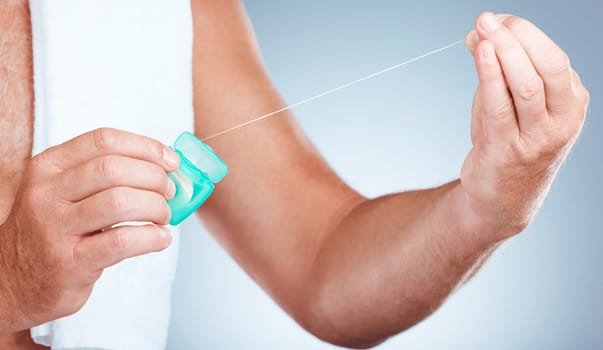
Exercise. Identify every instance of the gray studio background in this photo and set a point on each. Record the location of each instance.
(406, 130)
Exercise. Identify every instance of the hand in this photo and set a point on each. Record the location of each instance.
(528, 111)
(58, 237)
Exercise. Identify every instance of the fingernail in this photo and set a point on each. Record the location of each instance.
(489, 23)
(171, 189)
(170, 158)
(166, 233)
(488, 53)
(473, 38)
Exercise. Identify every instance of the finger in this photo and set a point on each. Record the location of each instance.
(110, 247)
(497, 116)
(476, 117)
(550, 61)
(106, 141)
(117, 205)
(525, 84)
(471, 40)
(104, 172)
(503, 16)
(576, 81)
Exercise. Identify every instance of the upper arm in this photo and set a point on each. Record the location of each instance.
(275, 207)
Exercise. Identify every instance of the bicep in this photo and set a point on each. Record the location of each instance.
(280, 195)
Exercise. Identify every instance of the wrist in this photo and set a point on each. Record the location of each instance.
(467, 225)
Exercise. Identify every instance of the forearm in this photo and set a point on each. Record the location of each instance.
(391, 262)
(357, 271)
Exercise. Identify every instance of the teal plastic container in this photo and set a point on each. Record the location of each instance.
(200, 168)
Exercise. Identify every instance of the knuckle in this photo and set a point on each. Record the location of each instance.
(530, 156)
(564, 141)
(525, 153)
(583, 95)
(106, 167)
(509, 155)
(118, 200)
(568, 134)
(531, 88)
(119, 241)
(502, 110)
(104, 138)
(155, 150)
(559, 63)
(558, 140)
(576, 81)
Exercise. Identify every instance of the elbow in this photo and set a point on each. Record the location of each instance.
(340, 337)
(334, 322)
(338, 315)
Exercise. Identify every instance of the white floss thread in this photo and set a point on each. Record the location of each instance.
(331, 91)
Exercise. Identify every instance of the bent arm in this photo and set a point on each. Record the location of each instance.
(353, 271)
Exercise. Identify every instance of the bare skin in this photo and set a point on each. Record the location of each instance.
(351, 270)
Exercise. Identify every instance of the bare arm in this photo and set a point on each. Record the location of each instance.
(353, 271)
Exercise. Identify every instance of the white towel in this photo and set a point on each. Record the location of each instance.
(125, 64)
